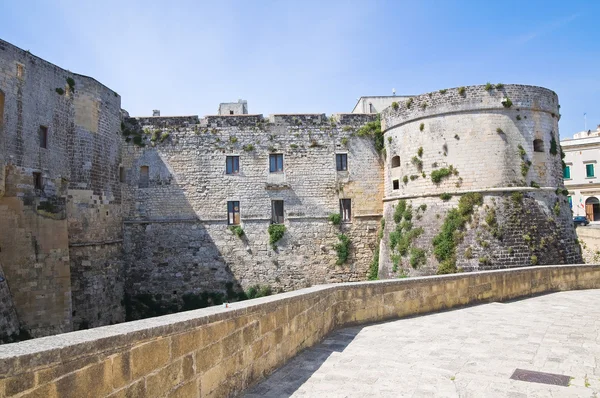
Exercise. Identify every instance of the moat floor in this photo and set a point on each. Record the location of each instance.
(470, 352)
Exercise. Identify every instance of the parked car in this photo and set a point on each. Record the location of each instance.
(580, 220)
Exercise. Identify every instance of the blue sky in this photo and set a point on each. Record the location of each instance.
(184, 57)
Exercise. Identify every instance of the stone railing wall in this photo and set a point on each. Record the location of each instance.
(219, 352)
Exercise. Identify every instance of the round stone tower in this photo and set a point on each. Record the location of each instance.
(473, 180)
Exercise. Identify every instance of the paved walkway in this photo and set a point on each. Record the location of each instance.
(470, 352)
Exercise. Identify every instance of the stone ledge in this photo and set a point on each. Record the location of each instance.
(253, 338)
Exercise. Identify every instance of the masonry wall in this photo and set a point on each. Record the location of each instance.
(37, 226)
(176, 235)
(220, 352)
(489, 149)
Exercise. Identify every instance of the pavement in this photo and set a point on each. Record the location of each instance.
(468, 352)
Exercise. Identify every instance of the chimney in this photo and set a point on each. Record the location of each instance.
(156, 112)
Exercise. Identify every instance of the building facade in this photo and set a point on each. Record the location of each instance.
(582, 154)
(107, 217)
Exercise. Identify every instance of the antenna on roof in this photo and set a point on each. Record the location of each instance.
(394, 92)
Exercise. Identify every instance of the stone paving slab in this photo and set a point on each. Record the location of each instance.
(470, 352)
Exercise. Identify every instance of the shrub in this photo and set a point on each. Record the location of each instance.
(469, 253)
(71, 84)
(293, 146)
(422, 127)
(499, 86)
(522, 152)
(518, 117)
(438, 175)
(405, 180)
(400, 210)
(373, 130)
(395, 106)
(409, 103)
(424, 106)
(335, 218)
(445, 196)
(462, 90)
(342, 249)
(557, 208)
(248, 148)
(60, 91)
(417, 257)
(374, 266)
(534, 260)
(413, 177)
(553, 146)
(535, 184)
(276, 232)
(517, 197)
(233, 139)
(443, 91)
(423, 207)
(489, 86)
(256, 291)
(237, 230)
(499, 130)
(506, 102)
(420, 152)
(417, 162)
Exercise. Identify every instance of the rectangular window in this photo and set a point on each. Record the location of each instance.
(589, 170)
(144, 177)
(567, 172)
(345, 209)
(43, 135)
(276, 163)
(341, 162)
(233, 213)
(232, 165)
(37, 180)
(121, 174)
(570, 202)
(277, 211)
(396, 184)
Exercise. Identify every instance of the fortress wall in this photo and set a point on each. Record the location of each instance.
(40, 221)
(478, 138)
(9, 322)
(217, 352)
(177, 239)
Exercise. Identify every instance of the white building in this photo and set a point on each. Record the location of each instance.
(582, 155)
(375, 104)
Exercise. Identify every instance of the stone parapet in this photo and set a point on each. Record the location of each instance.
(222, 351)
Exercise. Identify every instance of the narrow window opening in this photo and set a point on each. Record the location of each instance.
(1, 109)
(277, 212)
(232, 165)
(19, 71)
(345, 210)
(567, 172)
(231, 112)
(37, 180)
(144, 177)
(371, 108)
(538, 145)
(396, 161)
(233, 213)
(396, 184)
(276, 163)
(121, 174)
(43, 136)
(341, 161)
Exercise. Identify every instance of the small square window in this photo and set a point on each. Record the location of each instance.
(589, 170)
(345, 210)
(276, 163)
(37, 180)
(567, 172)
(231, 112)
(233, 213)
(277, 212)
(43, 136)
(341, 162)
(232, 165)
(396, 184)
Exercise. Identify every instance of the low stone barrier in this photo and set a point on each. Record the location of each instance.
(220, 351)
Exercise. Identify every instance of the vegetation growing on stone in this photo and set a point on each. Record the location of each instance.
(342, 248)
(395, 106)
(506, 102)
(417, 257)
(534, 184)
(557, 208)
(518, 117)
(256, 291)
(422, 127)
(445, 196)
(60, 91)
(405, 180)
(553, 146)
(409, 103)
(417, 162)
(423, 107)
(373, 130)
(443, 91)
(71, 84)
(335, 218)
(293, 146)
(438, 175)
(233, 139)
(248, 148)
(462, 90)
(276, 232)
(373, 273)
(499, 130)
(489, 86)
(499, 86)
(444, 244)
(236, 230)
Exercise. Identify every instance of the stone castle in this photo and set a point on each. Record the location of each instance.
(107, 217)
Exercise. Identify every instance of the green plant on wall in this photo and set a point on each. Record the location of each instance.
(342, 249)
(236, 230)
(373, 130)
(438, 175)
(395, 106)
(462, 90)
(443, 91)
(276, 232)
(248, 148)
(418, 163)
(445, 242)
(60, 91)
(553, 146)
(71, 84)
(335, 218)
(374, 266)
(506, 102)
(422, 127)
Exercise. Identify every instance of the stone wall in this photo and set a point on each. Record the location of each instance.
(484, 146)
(176, 235)
(9, 322)
(53, 194)
(218, 352)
